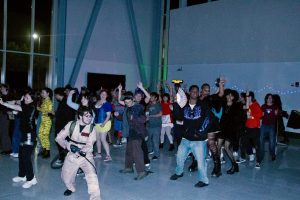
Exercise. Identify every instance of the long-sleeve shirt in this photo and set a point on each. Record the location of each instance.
(254, 114)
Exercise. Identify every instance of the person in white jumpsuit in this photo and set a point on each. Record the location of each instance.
(83, 138)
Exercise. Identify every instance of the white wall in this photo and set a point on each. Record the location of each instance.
(111, 48)
(254, 44)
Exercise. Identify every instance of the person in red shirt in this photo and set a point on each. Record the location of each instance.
(167, 122)
(254, 114)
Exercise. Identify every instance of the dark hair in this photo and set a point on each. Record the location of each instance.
(30, 92)
(166, 95)
(84, 109)
(204, 85)
(194, 86)
(267, 96)
(251, 94)
(59, 91)
(243, 94)
(234, 93)
(155, 94)
(49, 91)
(5, 86)
(277, 101)
(128, 96)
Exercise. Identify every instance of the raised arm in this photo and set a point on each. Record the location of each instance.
(120, 95)
(147, 98)
(70, 103)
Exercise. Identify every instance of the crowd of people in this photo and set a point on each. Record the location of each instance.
(196, 124)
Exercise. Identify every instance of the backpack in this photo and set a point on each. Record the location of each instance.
(72, 127)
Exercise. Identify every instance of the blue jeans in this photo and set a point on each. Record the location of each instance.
(16, 135)
(153, 140)
(267, 130)
(198, 148)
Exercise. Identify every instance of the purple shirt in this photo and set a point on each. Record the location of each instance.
(269, 117)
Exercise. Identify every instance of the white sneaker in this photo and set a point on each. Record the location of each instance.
(14, 155)
(18, 179)
(254, 150)
(251, 157)
(124, 140)
(28, 184)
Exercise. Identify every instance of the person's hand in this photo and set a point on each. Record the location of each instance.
(102, 125)
(116, 114)
(140, 85)
(1, 101)
(120, 87)
(72, 92)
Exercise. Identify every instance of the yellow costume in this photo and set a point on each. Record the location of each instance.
(46, 122)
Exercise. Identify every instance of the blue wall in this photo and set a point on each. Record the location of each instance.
(111, 47)
(254, 44)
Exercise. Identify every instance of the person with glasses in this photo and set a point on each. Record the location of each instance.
(79, 143)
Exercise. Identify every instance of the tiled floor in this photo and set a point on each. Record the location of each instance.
(275, 180)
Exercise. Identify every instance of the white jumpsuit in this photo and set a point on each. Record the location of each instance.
(73, 162)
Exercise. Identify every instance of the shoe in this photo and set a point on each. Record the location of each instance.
(124, 140)
(46, 154)
(201, 184)
(217, 168)
(257, 166)
(161, 145)
(18, 179)
(273, 158)
(175, 176)
(141, 175)
(241, 160)
(147, 166)
(151, 152)
(172, 147)
(28, 184)
(68, 192)
(126, 170)
(154, 158)
(107, 159)
(6, 152)
(117, 145)
(79, 172)
(14, 155)
(98, 155)
(251, 157)
(41, 152)
(234, 168)
(59, 162)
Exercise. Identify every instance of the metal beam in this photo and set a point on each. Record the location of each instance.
(157, 44)
(3, 72)
(85, 41)
(166, 43)
(137, 44)
(59, 7)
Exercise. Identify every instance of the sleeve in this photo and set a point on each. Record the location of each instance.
(88, 148)
(71, 104)
(61, 136)
(206, 121)
(108, 107)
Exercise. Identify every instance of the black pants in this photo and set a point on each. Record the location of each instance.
(145, 152)
(4, 132)
(251, 136)
(25, 163)
(134, 154)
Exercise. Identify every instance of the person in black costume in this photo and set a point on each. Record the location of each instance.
(231, 123)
